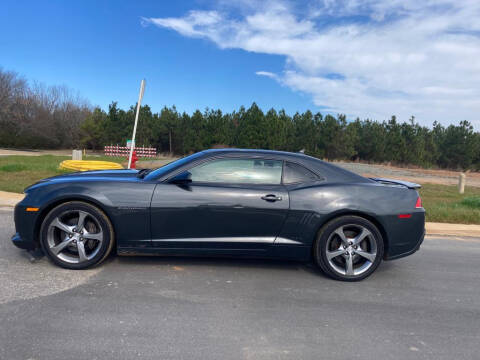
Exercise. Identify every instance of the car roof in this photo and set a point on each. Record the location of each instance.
(255, 151)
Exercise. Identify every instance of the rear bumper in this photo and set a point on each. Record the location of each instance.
(409, 252)
(404, 235)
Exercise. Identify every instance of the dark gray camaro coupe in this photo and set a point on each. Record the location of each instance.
(248, 203)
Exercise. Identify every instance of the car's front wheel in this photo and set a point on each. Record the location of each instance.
(76, 235)
(349, 248)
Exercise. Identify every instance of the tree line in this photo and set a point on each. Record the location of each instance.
(51, 117)
(324, 136)
(38, 116)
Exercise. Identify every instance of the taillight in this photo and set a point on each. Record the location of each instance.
(418, 204)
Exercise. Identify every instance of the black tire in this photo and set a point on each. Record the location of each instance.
(328, 237)
(50, 233)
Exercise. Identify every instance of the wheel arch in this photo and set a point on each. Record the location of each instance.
(358, 213)
(45, 210)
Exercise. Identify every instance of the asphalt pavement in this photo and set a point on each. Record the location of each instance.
(426, 306)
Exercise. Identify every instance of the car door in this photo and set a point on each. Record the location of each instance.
(226, 204)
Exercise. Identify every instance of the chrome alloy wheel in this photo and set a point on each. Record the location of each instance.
(75, 236)
(351, 249)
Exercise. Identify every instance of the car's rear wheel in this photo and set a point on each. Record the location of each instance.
(349, 248)
(76, 235)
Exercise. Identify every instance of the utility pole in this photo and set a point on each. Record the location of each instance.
(140, 96)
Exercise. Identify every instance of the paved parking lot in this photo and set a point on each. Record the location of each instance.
(426, 306)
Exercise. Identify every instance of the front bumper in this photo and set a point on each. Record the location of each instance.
(20, 243)
(25, 225)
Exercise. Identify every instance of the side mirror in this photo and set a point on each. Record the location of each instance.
(182, 178)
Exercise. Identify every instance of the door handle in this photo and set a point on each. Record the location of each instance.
(271, 198)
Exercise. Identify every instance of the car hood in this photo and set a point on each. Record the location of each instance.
(111, 175)
(97, 173)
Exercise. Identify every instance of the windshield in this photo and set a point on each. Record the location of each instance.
(171, 166)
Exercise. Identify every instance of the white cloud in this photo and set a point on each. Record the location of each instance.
(188, 26)
(267, 74)
(370, 58)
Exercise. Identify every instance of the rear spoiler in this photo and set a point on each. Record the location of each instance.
(407, 184)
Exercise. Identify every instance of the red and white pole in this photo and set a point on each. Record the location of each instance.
(140, 97)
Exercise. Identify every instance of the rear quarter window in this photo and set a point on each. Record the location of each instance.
(294, 174)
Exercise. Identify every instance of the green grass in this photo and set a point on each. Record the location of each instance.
(472, 202)
(13, 168)
(17, 171)
(443, 203)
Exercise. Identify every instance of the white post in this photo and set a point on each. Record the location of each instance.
(76, 154)
(461, 183)
(140, 96)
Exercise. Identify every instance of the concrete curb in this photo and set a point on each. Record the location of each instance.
(8, 200)
(434, 228)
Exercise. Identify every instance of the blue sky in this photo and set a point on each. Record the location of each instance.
(366, 58)
(101, 49)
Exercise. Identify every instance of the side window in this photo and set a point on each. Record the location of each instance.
(295, 173)
(239, 171)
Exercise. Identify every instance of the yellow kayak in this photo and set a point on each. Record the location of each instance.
(85, 165)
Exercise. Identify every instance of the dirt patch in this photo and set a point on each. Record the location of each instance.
(422, 176)
(152, 164)
(6, 152)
